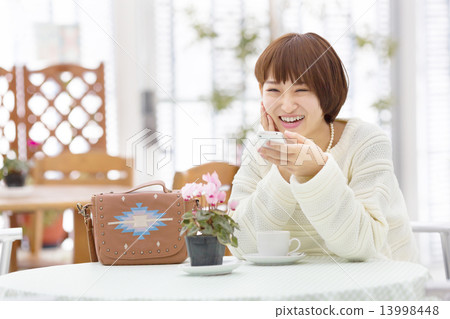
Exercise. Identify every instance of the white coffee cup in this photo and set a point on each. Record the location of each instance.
(275, 243)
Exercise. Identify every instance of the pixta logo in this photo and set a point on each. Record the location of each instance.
(148, 151)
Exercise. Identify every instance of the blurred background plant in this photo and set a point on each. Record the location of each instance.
(14, 171)
(384, 47)
(246, 47)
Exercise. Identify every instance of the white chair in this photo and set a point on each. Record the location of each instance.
(440, 289)
(7, 236)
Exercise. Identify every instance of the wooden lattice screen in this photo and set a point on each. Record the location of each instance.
(8, 111)
(65, 109)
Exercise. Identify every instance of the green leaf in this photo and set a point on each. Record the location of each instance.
(220, 99)
(212, 222)
(188, 215)
(208, 230)
(226, 225)
(202, 216)
(223, 239)
(234, 241)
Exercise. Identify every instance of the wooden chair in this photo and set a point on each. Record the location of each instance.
(224, 170)
(63, 110)
(94, 168)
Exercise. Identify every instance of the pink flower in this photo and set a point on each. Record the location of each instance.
(233, 204)
(221, 196)
(210, 189)
(212, 199)
(32, 143)
(198, 190)
(211, 193)
(187, 192)
(212, 178)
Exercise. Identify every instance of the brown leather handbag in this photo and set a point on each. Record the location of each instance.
(136, 227)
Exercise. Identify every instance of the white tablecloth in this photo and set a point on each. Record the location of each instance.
(314, 278)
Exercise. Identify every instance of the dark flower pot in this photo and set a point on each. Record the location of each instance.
(205, 250)
(15, 179)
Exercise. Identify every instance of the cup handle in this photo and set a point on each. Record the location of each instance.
(296, 249)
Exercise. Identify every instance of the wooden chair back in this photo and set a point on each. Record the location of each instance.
(65, 109)
(8, 110)
(87, 168)
(225, 171)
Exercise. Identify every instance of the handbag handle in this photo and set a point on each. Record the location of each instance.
(157, 182)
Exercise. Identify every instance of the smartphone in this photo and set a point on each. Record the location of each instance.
(276, 137)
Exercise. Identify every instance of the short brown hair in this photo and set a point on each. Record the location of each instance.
(307, 58)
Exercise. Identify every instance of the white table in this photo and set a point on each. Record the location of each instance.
(314, 278)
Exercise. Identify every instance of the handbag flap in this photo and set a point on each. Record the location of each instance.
(138, 225)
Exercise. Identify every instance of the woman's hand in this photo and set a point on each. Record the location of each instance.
(269, 125)
(266, 120)
(301, 157)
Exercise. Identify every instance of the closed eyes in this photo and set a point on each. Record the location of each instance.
(276, 90)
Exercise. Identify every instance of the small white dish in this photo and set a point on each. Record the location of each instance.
(274, 260)
(227, 267)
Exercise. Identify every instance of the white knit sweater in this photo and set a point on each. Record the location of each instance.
(352, 208)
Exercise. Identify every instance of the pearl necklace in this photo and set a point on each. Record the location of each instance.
(331, 139)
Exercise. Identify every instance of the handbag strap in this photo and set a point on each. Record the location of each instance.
(152, 183)
(85, 211)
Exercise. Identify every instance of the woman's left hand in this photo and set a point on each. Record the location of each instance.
(301, 156)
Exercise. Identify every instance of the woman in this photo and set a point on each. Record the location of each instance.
(333, 185)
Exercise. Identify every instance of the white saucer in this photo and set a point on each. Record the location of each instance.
(274, 260)
(227, 267)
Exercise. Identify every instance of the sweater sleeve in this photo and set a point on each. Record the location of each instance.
(351, 216)
(265, 203)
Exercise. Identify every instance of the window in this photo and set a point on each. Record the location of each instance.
(434, 116)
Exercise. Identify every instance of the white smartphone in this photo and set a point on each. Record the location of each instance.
(276, 137)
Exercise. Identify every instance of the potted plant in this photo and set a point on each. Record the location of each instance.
(208, 229)
(14, 172)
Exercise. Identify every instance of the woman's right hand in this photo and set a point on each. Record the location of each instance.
(266, 120)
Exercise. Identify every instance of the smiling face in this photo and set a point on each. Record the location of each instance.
(312, 58)
(293, 107)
